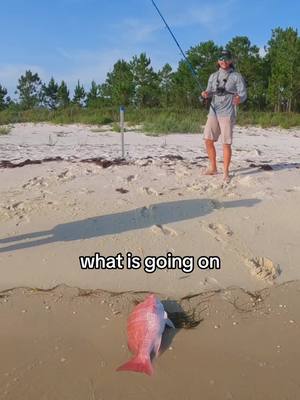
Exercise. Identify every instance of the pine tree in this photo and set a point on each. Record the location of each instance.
(105, 97)
(253, 68)
(119, 87)
(145, 81)
(79, 95)
(203, 59)
(93, 96)
(166, 83)
(63, 95)
(50, 94)
(284, 56)
(29, 89)
(4, 99)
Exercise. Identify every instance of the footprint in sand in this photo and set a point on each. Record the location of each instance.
(181, 172)
(220, 232)
(145, 212)
(131, 178)
(66, 175)
(264, 268)
(36, 181)
(221, 229)
(247, 181)
(261, 267)
(225, 235)
(149, 191)
(255, 153)
(215, 204)
(161, 229)
(198, 187)
(17, 210)
(293, 189)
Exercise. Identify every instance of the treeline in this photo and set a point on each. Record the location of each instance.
(272, 79)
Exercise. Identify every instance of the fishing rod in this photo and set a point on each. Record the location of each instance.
(178, 45)
(205, 101)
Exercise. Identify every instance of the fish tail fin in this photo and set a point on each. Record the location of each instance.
(138, 364)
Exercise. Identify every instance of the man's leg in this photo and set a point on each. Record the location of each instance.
(226, 126)
(227, 158)
(211, 152)
(211, 134)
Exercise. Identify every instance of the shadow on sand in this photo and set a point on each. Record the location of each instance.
(139, 218)
(181, 319)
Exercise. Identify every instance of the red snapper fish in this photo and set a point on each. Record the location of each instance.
(145, 326)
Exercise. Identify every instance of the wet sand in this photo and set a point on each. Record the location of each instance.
(67, 343)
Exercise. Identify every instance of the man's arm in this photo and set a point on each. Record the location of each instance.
(241, 88)
(209, 88)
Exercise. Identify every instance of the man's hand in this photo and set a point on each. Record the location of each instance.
(236, 100)
(205, 94)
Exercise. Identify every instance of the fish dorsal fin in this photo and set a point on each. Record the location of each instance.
(151, 298)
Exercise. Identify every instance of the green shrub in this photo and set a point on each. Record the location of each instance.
(153, 120)
(4, 130)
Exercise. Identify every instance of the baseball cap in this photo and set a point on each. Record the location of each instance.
(225, 55)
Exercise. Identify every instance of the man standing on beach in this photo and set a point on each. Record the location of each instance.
(226, 89)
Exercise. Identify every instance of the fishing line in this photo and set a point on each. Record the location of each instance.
(202, 100)
(178, 45)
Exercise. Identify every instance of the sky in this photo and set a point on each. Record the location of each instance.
(82, 39)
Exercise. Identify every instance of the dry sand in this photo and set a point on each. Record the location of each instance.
(247, 344)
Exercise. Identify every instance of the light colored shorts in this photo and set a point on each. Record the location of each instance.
(219, 126)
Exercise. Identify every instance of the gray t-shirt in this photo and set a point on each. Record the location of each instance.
(232, 82)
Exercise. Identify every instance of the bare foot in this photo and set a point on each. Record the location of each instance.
(210, 171)
(226, 178)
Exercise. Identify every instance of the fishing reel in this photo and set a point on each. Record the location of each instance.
(205, 102)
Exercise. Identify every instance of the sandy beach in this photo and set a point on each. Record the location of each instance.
(65, 193)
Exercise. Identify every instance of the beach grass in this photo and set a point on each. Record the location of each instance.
(151, 120)
(4, 130)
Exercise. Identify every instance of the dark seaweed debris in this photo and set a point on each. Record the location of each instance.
(172, 157)
(268, 167)
(102, 162)
(264, 167)
(185, 320)
(122, 190)
(9, 164)
(98, 161)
